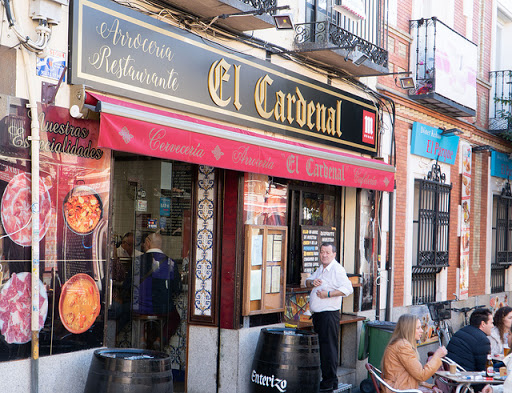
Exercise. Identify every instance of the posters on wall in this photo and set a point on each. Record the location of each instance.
(74, 183)
(465, 220)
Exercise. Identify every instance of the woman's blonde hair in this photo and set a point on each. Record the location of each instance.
(405, 329)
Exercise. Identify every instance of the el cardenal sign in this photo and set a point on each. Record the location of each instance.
(121, 51)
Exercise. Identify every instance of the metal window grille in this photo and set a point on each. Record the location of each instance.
(500, 109)
(503, 238)
(432, 228)
(423, 285)
(497, 279)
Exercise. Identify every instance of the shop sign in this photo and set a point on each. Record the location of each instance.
(428, 142)
(501, 165)
(121, 51)
(262, 155)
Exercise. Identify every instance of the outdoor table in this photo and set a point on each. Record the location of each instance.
(464, 380)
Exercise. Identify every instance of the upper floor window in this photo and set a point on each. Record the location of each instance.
(444, 10)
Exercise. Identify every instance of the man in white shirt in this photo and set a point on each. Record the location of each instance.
(330, 283)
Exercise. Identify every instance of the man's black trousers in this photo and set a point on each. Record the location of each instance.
(327, 326)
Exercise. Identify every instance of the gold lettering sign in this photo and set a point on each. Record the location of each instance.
(219, 73)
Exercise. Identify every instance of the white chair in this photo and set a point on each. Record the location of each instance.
(377, 380)
(449, 362)
(444, 384)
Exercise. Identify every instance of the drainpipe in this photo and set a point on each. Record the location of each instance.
(43, 32)
(34, 138)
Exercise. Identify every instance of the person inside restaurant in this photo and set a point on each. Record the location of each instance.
(401, 366)
(470, 345)
(156, 282)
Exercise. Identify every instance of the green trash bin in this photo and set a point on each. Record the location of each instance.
(374, 339)
(379, 334)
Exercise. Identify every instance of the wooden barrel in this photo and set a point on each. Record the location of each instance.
(122, 370)
(286, 360)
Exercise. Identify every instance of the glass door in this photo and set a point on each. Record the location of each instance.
(151, 223)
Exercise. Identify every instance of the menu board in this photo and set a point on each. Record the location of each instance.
(180, 196)
(312, 238)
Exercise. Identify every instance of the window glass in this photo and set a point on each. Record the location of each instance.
(265, 201)
(151, 224)
(317, 209)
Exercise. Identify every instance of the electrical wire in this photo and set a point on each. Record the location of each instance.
(43, 31)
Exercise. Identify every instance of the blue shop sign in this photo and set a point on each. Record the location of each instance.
(428, 142)
(501, 165)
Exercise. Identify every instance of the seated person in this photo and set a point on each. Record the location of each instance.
(507, 386)
(500, 334)
(401, 367)
(125, 250)
(470, 346)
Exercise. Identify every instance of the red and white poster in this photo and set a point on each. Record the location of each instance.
(465, 220)
(74, 183)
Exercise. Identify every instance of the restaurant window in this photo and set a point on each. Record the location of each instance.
(501, 255)
(431, 225)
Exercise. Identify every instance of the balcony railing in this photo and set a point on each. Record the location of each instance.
(262, 4)
(257, 14)
(444, 66)
(500, 109)
(348, 37)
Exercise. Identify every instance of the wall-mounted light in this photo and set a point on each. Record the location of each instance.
(451, 131)
(359, 58)
(283, 22)
(407, 82)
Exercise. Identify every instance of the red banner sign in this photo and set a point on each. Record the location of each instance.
(221, 147)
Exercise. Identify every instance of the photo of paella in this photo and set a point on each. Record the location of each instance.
(82, 210)
(79, 303)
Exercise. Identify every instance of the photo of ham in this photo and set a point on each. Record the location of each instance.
(16, 212)
(15, 306)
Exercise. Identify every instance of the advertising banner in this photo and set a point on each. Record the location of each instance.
(465, 157)
(73, 213)
(501, 165)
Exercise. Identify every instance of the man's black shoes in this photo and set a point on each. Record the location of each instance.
(328, 386)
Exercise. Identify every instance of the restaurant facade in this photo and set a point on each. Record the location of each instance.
(242, 168)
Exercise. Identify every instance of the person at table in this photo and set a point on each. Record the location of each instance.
(507, 386)
(470, 345)
(500, 337)
(330, 283)
(401, 366)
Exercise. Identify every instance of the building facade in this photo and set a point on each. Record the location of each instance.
(241, 152)
(378, 125)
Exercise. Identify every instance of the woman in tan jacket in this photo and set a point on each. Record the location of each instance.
(401, 366)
